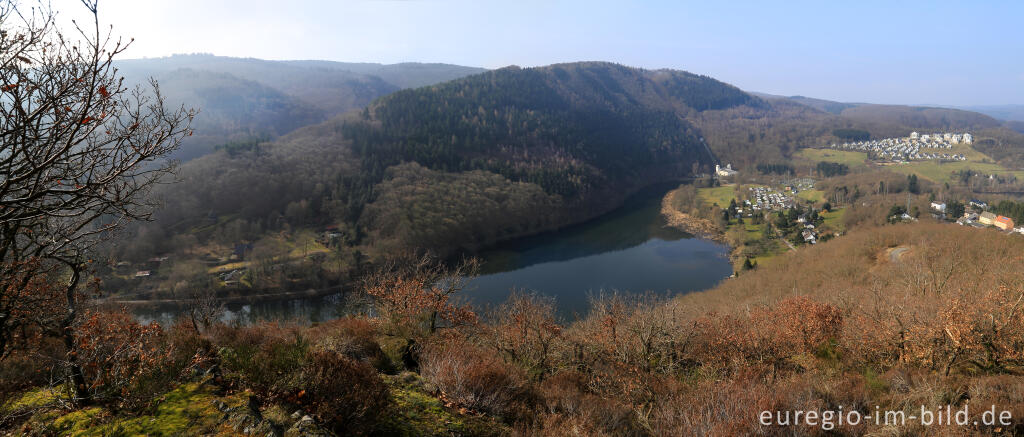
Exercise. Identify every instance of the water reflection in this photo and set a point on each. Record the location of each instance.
(629, 249)
(304, 310)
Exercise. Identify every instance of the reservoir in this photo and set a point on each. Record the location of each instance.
(629, 250)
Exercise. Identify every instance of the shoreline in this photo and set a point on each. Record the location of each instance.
(242, 299)
(698, 227)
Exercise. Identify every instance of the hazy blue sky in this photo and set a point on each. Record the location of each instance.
(955, 53)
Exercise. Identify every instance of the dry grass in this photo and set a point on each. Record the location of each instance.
(851, 159)
(718, 195)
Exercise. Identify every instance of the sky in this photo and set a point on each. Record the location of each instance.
(900, 52)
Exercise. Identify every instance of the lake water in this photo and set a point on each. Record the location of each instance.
(628, 250)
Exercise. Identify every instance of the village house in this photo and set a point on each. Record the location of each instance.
(987, 218)
(1004, 223)
(939, 206)
(765, 198)
(809, 236)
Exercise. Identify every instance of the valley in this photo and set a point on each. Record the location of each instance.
(375, 183)
(583, 248)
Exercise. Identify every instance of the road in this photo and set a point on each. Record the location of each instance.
(896, 253)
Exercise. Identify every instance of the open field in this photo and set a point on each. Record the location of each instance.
(813, 196)
(717, 195)
(777, 249)
(943, 171)
(304, 243)
(753, 231)
(851, 159)
(935, 171)
(834, 219)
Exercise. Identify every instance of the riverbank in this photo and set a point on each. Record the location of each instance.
(699, 227)
(745, 240)
(241, 299)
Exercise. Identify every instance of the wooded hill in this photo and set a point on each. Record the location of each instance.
(515, 151)
(504, 153)
(244, 99)
(1002, 140)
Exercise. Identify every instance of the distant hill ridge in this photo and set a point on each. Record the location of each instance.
(247, 98)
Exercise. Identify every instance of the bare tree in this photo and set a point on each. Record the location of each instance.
(525, 330)
(204, 309)
(79, 151)
(419, 292)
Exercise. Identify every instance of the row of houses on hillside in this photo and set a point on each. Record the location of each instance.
(948, 137)
(911, 148)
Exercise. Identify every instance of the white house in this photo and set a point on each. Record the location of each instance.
(726, 171)
(939, 206)
(914, 135)
(967, 139)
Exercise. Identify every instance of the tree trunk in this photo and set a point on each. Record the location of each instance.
(75, 376)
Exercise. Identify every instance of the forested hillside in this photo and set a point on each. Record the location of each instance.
(456, 166)
(568, 128)
(233, 109)
(244, 99)
(451, 166)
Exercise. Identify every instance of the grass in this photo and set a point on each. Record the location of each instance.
(813, 196)
(759, 250)
(189, 410)
(186, 410)
(851, 159)
(717, 195)
(777, 250)
(304, 243)
(416, 413)
(33, 399)
(834, 219)
(754, 231)
(942, 172)
(229, 267)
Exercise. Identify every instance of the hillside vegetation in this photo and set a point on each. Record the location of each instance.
(526, 149)
(244, 99)
(449, 167)
(900, 317)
